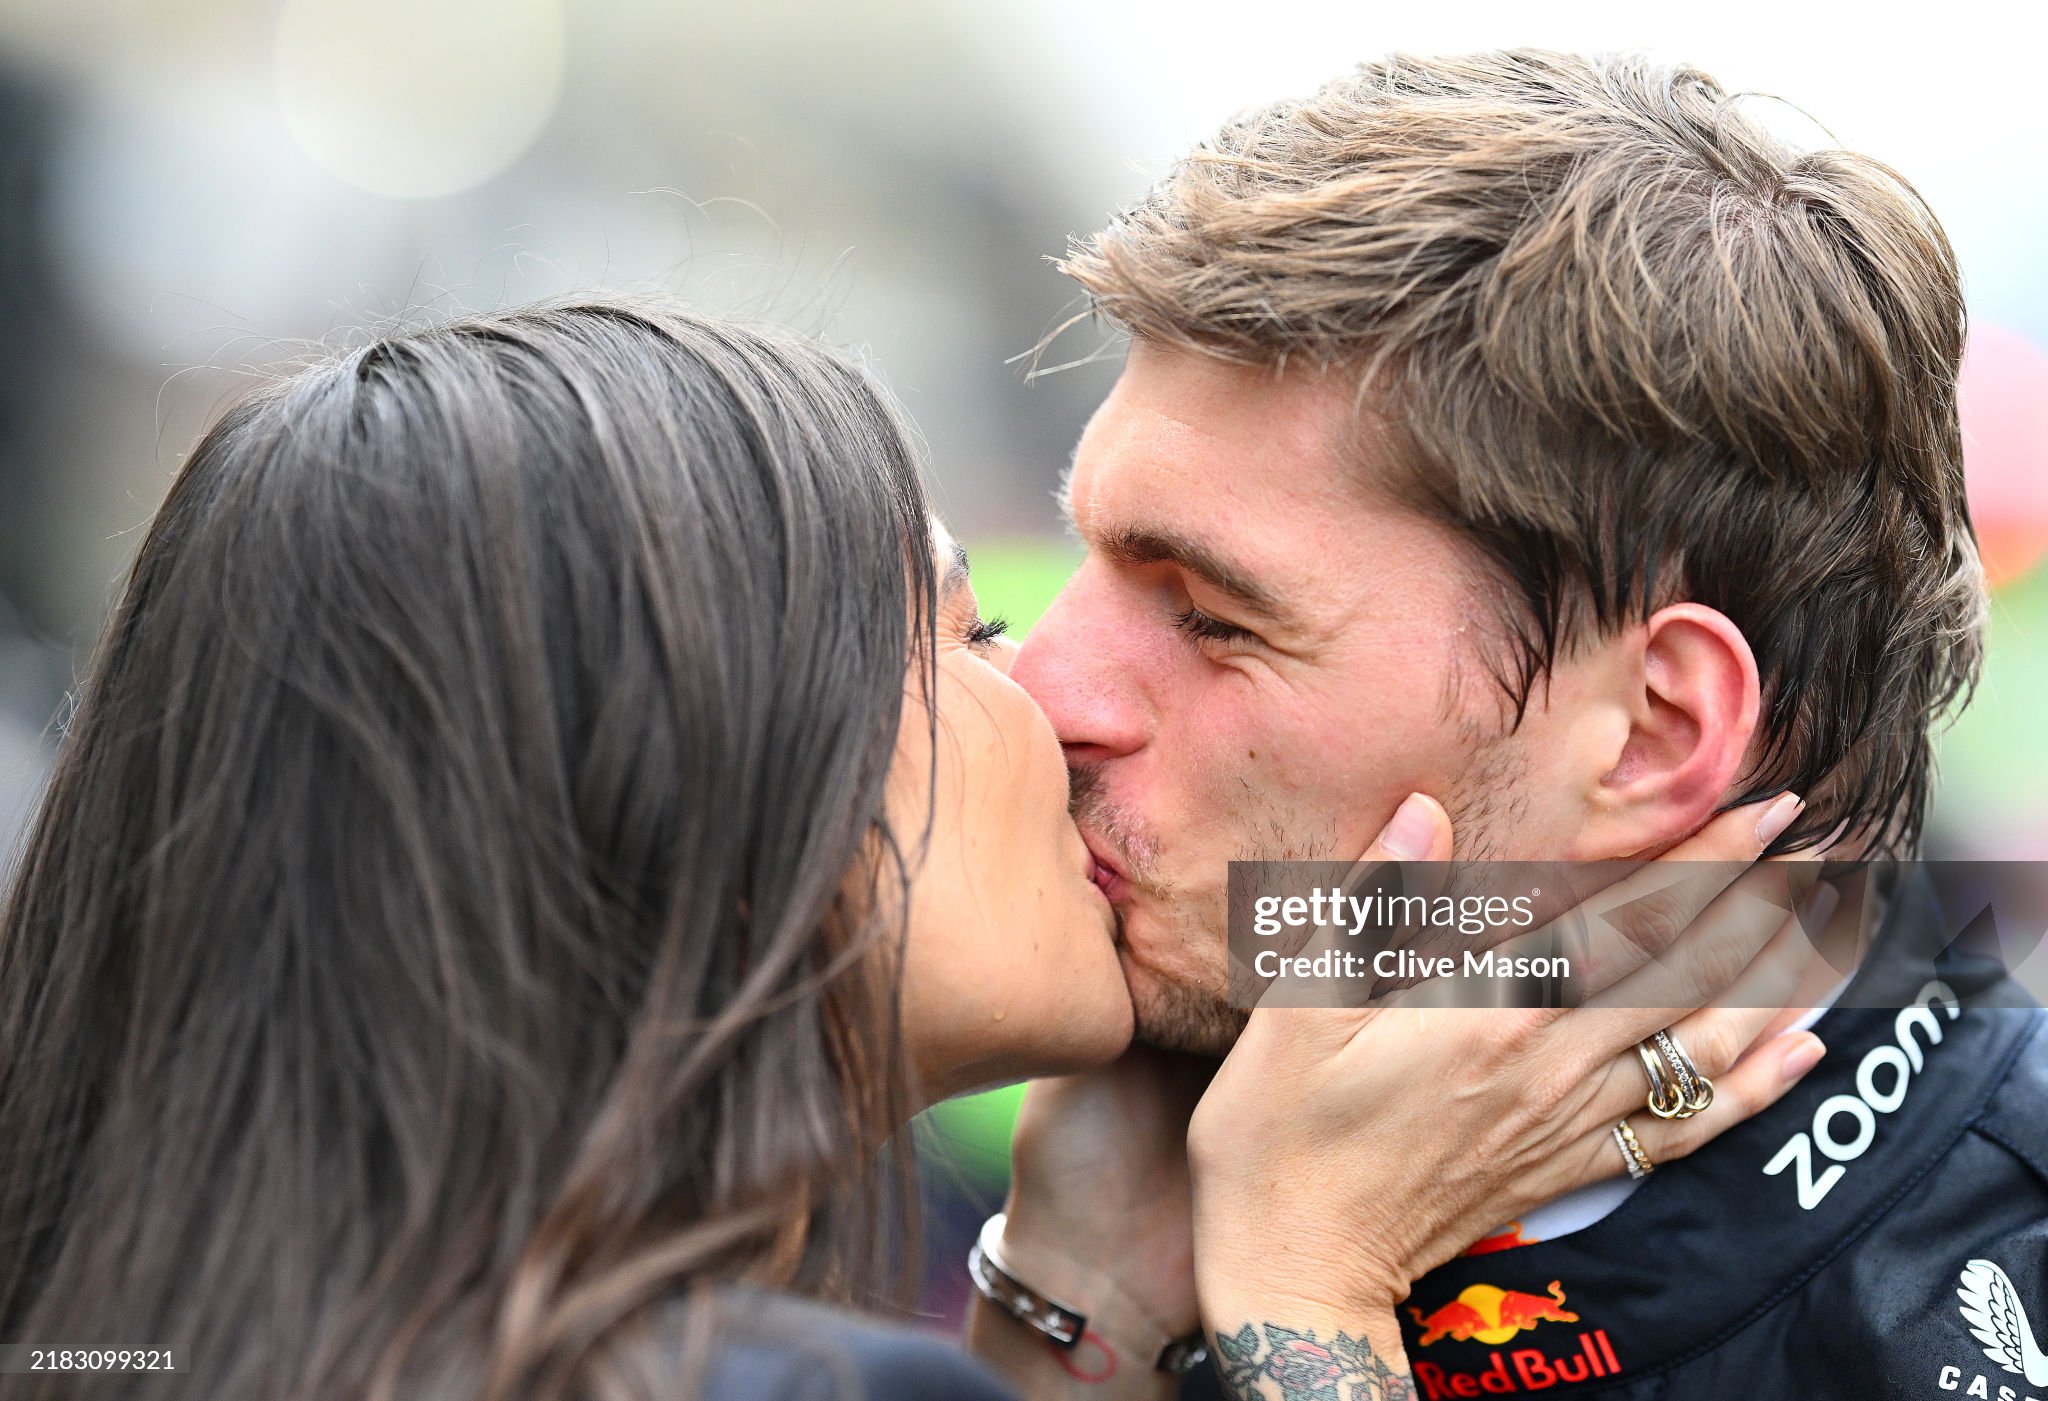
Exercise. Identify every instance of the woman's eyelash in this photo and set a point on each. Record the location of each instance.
(1197, 624)
(986, 630)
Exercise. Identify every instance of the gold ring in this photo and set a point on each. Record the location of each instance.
(1665, 1101)
(1695, 1089)
(1639, 1164)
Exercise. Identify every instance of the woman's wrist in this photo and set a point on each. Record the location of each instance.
(1251, 1250)
(1295, 1318)
(1279, 1347)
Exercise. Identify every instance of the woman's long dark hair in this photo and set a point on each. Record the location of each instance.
(461, 913)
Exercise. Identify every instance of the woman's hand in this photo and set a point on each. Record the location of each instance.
(1340, 1154)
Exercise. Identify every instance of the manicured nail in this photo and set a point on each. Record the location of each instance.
(1778, 817)
(1818, 907)
(1408, 834)
(1804, 1056)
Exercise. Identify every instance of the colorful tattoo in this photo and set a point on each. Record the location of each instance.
(1289, 1365)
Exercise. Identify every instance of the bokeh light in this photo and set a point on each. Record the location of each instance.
(2004, 400)
(418, 100)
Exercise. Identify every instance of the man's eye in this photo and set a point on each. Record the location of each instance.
(984, 631)
(1199, 625)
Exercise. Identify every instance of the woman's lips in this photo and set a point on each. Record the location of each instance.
(1108, 877)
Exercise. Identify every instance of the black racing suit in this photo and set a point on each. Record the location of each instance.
(1854, 1240)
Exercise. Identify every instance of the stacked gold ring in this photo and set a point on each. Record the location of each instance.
(1639, 1164)
(1696, 1088)
(1677, 1088)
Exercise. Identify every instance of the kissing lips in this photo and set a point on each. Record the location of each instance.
(1107, 875)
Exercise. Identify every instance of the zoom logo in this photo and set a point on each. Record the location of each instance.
(1844, 1126)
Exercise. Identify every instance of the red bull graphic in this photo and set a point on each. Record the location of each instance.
(1506, 1238)
(1487, 1314)
(1522, 1369)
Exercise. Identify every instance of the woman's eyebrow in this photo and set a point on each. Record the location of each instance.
(956, 572)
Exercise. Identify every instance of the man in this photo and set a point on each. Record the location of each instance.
(1541, 433)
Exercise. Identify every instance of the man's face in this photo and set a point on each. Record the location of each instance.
(1259, 658)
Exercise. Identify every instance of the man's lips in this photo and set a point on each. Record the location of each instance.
(1109, 877)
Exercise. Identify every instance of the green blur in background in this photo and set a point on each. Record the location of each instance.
(1014, 580)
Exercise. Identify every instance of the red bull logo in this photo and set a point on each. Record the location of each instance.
(1507, 1237)
(1482, 1313)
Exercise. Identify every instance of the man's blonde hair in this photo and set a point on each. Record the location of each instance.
(1631, 346)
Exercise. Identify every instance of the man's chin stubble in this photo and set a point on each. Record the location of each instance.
(1174, 1016)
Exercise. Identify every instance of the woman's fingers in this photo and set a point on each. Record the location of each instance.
(1740, 834)
(1747, 1001)
(1722, 1043)
(1610, 931)
(1750, 1084)
(1716, 1039)
(1757, 1081)
(1721, 943)
(1792, 962)
(1418, 832)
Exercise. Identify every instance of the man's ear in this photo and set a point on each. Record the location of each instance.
(1690, 697)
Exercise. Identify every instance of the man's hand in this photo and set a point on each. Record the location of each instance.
(1100, 1216)
(1099, 1177)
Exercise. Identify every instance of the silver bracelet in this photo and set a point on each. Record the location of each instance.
(1062, 1323)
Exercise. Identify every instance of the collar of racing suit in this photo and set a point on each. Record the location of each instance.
(1706, 1244)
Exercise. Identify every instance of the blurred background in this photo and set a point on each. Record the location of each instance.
(193, 192)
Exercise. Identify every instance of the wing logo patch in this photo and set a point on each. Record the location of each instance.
(1997, 1319)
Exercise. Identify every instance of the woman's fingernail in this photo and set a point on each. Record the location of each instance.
(1409, 832)
(1778, 817)
(1804, 1056)
(1818, 907)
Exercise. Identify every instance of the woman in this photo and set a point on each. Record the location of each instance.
(544, 814)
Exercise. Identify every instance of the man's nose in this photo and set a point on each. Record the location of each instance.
(1076, 664)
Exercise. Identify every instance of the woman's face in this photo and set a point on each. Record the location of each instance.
(1011, 969)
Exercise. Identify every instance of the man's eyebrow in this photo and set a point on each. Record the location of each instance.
(1159, 545)
(1063, 494)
